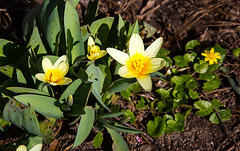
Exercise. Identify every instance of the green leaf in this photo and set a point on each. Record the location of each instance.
(236, 52)
(29, 21)
(71, 89)
(98, 139)
(102, 27)
(130, 114)
(150, 29)
(211, 85)
(157, 127)
(34, 140)
(126, 94)
(111, 115)
(23, 118)
(3, 124)
(91, 12)
(96, 76)
(225, 114)
(121, 85)
(193, 94)
(50, 22)
(36, 43)
(43, 104)
(73, 35)
(175, 125)
(205, 107)
(74, 2)
(10, 52)
(177, 80)
(76, 110)
(118, 142)
(214, 119)
(201, 68)
(141, 103)
(117, 127)
(163, 92)
(7, 70)
(85, 126)
(191, 84)
(207, 76)
(134, 29)
(122, 34)
(216, 103)
(190, 57)
(82, 94)
(192, 45)
(180, 61)
(26, 90)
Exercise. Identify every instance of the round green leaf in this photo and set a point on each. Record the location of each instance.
(205, 107)
(201, 68)
(157, 127)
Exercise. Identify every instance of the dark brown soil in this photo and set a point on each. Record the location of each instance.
(208, 21)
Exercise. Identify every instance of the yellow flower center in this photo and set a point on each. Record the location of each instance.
(94, 49)
(53, 76)
(136, 64)
(211, 55)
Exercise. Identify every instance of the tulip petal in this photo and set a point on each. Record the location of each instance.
(153, 65)
(64, 81)
(90, 41)
(37, 147)
(136, 45)
(145, 81)
(124, 72)
(62, 69)
(46, 65)
(101, 54)
(40, 77)
(63, 58)
(118, 55)
(154, 48)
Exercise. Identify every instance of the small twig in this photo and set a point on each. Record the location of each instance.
(225, 127)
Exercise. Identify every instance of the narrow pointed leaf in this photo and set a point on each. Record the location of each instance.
(85, 126)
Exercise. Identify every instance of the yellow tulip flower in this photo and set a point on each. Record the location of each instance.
(139, 63)
(94, 51)
(54, 74)
(211, 56)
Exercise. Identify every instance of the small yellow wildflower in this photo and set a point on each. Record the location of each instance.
(54, 74)
(94, 51)
(139, 63)
(211, 56)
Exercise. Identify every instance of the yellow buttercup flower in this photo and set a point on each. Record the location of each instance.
(139, 63)
(54, 74)
(94, 51)
(211, 56)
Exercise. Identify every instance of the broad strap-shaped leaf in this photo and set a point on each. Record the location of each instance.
(71, 89)
(121, 85)
(23, 118)
(73, 35)
(36, 43)
(50, 20)
(85, 126)
(43, 104)
(96, 76)
(25, 90)
(118, 142)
